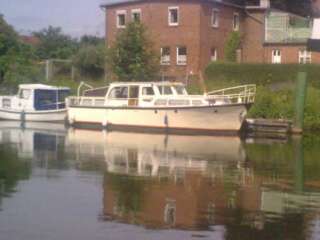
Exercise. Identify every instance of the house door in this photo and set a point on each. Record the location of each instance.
(276, 56)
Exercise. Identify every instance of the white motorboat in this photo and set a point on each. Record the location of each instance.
(35, 102)
(162, 106)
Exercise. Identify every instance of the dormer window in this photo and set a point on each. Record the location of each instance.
(173, 16)
(121, 18)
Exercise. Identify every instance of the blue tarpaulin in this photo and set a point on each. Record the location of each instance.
(49, 99)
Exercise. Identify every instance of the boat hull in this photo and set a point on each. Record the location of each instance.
(34, 116)
(204, 119)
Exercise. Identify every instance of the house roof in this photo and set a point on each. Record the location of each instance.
(109, 3)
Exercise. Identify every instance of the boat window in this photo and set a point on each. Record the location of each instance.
(63, 94)
(147, 91)
(25, 94)
(119, 93)
(45, 99)
(6, 102)
(134, 92)
(180, 90)
(165, 90)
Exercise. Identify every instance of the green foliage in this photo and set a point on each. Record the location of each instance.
(275, 96)
(16, 59)
(273, 104)
(132, 58)
(261, 74)
(231, 46)
(90, 60)
(55, 44)
(301, 7)
(91, 40)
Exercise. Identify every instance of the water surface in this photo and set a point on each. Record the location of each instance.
(58, 183)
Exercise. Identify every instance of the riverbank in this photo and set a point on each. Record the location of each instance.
(275, 88)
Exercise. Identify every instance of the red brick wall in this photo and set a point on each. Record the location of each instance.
(253, 37)
(289, 54)
(196, 33)
(155, 17)
(194, 30)
(216, 37)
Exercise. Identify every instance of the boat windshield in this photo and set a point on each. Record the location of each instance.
(180, 90)
(165, 90)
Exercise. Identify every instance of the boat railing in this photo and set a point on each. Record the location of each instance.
(98, 91)
(86, 101)
(240, 94)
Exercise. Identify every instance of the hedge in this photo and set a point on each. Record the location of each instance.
(275, 88)
(261, 74)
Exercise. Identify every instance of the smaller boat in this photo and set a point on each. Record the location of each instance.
(35, 102)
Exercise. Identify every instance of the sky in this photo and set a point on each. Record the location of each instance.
(76, 17)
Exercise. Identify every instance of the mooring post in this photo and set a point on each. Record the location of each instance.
(299, 163)
(301, 91)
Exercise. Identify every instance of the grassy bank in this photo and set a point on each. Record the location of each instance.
(275, 88)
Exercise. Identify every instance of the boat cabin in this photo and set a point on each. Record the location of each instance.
(36, 97)
(143, 94)
(157, 94)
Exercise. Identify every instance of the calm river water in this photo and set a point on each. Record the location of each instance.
(58, 183)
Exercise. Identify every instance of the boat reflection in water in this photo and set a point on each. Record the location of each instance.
(205, 184)
(180, 187)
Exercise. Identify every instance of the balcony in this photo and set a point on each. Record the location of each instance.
(282, 27)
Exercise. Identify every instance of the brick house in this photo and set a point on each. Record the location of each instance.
(191, 33)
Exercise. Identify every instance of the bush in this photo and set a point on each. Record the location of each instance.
(261, 74)
(90, 60)
(275, 96)
(231, 46)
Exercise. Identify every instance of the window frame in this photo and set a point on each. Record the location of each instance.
(213, 58)
(236, 24)
(118, 13)
(215, 12)
(173, 24)
(135, 11)
(304, 54)
(277, 55)
(161, 56)
(177, 56)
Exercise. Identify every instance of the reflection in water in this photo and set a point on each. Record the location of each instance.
(233, 188)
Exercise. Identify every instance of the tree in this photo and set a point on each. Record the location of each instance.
(231, 46)
(91, 40)
(55, 44)
(90, 60)
(16, 58)
(301, 7)
(132, 58)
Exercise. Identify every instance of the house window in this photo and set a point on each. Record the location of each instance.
(276, 56)
(121, 18)
(165, 56)
(214, 54)
(304, 56)
(215, 18)
(236, 21)
(136, 15)
(173, 16)
(181, 55)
